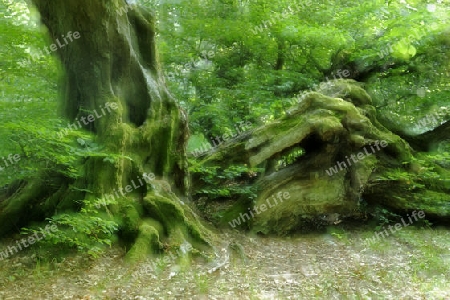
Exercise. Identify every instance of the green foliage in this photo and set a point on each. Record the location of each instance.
(23, 79)
(232, 182)
(28, 110)
(265, 52)
(195, 142)
(402, 176)
(290, 158)
(442, 158)
(384, 217)
(424, 224)
(87, 231)
(419, 173)
(338, 233)
(43, 150)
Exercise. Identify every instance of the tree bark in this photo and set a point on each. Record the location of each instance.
(114, 64)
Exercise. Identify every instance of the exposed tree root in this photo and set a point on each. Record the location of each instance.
(345, 153)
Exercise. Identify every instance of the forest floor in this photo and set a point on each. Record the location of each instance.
(412, 263)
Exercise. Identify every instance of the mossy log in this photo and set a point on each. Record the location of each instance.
(346, 156)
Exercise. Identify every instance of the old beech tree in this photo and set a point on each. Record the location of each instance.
(115, 61)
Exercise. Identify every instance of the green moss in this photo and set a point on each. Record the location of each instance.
(431, 202)
(234, 212)
(347, 89)
(130, 219)
(23, 206)
(52, 201)
(146, 243)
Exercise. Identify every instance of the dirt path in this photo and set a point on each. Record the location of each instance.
(410, 264)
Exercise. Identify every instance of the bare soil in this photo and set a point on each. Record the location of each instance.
(413, 263)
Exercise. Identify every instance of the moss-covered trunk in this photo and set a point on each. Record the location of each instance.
(113, 64)
(113, 87)
(326, 160)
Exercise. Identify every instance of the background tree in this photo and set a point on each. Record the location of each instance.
(267, 52)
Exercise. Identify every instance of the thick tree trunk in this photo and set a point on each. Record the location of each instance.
(113, 64)
(114, 61)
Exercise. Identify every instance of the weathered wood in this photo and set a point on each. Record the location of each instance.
(337, 129)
